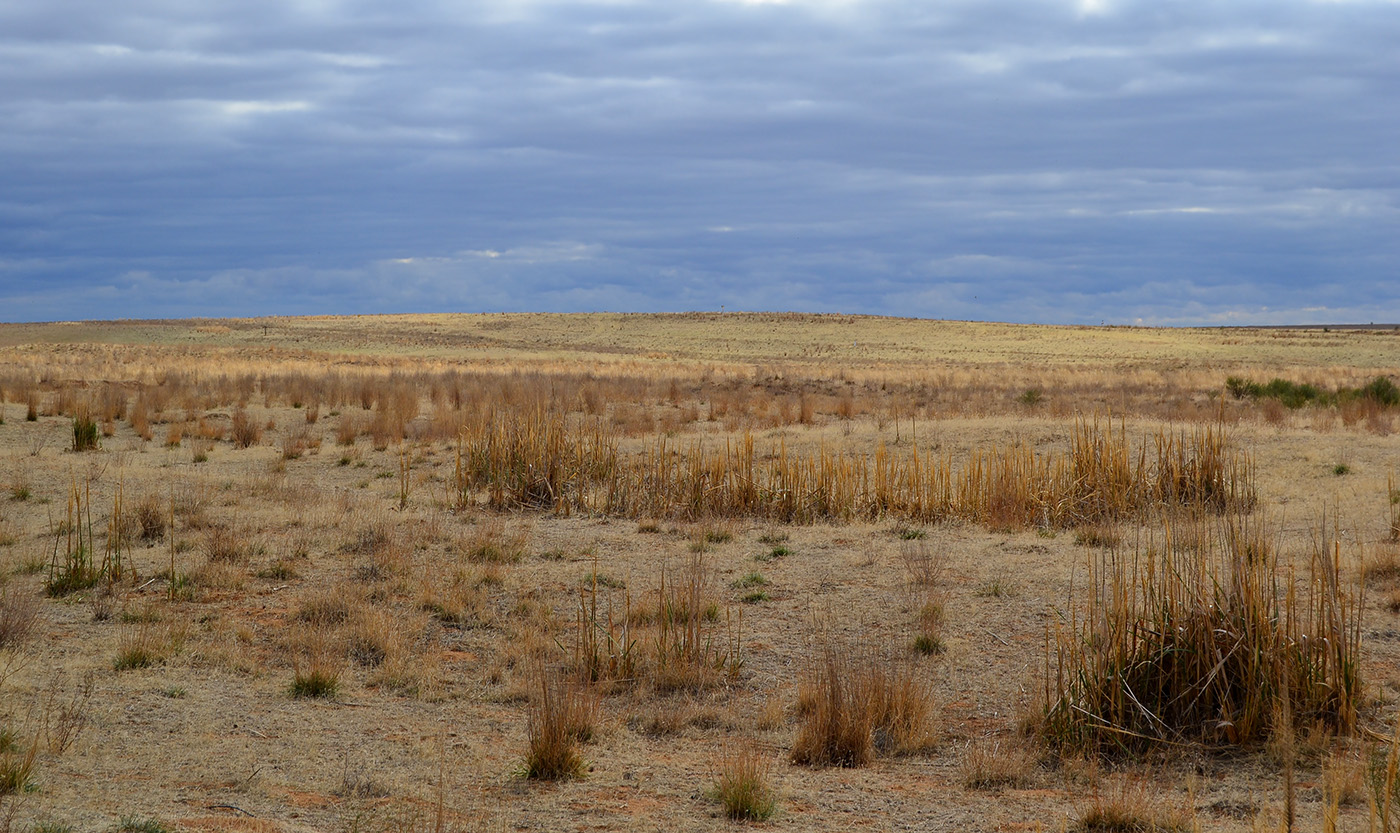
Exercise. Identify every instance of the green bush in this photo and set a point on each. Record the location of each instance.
(1380, 390)
(84, 433)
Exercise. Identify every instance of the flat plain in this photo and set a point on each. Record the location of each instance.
(588, 572)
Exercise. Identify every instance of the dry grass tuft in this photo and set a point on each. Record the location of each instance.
(923, 574)
(697, 645)
(604, 648)
(18, 616)
(1382, 566)
(224, 543)
(855, 703)
(329, 606)
(1207, 645)
(493, 542)
(1133, 808)
(560, 714)
(743, 783)
(993, 764)
(17, 763)
(316, 667)
(245, 430)
(453, 597)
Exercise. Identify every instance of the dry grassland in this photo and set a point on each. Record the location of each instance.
(686, 572)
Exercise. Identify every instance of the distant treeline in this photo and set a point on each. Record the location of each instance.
(1380, 390)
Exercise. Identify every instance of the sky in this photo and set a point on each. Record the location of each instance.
(1053, 161)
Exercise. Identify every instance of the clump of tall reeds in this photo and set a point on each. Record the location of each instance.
(1100, 479)
(1201, 635)
(541, 458)
(535, 459)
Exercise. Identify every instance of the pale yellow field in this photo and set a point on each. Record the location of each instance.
(445, 603)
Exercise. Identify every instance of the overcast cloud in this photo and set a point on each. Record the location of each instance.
(1158, 162)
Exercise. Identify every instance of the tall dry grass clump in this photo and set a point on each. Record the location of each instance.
(19, 614)
(560, 715)
(604, 647)
(527, 450)
(245, 430)
(856, 702)
(923, 570)
(743, 783)
(1201, 635)
(1100, 478)
(84, 430)
(535, 459)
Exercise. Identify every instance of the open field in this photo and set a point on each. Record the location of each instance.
(362, 574)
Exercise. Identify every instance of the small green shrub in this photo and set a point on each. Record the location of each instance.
(84, 432)
(779, 551)
(929, 644)
(754, 579)
(1382, 391)
(909, 533)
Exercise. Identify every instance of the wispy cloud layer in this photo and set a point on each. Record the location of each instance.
(1039, 160)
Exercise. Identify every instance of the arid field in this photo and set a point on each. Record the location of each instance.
(688, 572)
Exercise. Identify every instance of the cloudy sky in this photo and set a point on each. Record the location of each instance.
(1162, 162)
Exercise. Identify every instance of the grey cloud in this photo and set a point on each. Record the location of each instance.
(1012, 160)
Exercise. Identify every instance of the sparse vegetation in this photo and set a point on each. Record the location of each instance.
(1132, 808)
(17, 761)
(18, 615)
(687, 507)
